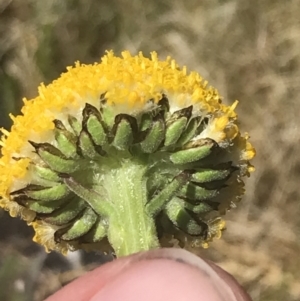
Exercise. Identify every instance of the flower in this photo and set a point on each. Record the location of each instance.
(130, 150)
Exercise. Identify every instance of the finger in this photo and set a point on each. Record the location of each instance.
(86, 286)
(163, 274)
(238, 291)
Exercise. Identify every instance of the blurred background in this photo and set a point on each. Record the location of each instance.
(249, 50)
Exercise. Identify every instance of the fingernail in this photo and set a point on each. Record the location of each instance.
(168, 274)
(222, 281)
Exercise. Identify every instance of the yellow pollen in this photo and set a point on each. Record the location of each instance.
(221, 123)
(133, 98)
(234, 105)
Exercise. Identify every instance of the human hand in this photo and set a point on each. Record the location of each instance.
(160, 275)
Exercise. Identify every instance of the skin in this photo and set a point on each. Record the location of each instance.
(163, 274)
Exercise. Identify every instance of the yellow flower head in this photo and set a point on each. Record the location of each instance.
(128, 150)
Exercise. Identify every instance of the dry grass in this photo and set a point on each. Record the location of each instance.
(248, 49)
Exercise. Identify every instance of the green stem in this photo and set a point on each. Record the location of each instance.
(131, 229)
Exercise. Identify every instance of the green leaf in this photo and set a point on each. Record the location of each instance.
(81, 226)
(194, 153)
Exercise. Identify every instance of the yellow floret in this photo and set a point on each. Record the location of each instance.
(128, 82)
